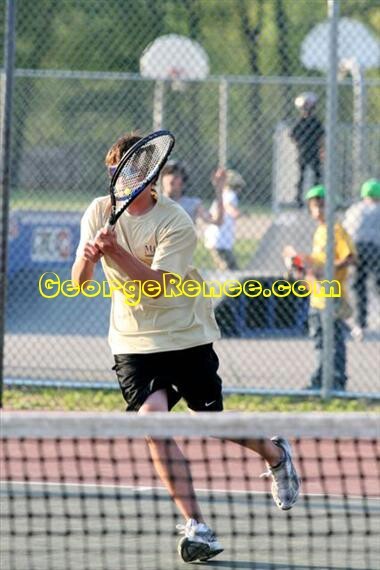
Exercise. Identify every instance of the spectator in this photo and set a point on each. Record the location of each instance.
(220, 239)
(173, 181)
(362, 222)
(314, 267)
(308, 136)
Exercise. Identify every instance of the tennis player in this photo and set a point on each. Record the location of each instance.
(162, 346)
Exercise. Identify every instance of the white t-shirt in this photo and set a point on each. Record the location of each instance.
(164, 239)
(362, 222)
(223, 236)
(191, 205)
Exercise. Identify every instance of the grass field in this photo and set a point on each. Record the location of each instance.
(243, 251)
(81, 400)
(49, 201)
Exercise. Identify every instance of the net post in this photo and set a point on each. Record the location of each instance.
(5, 139)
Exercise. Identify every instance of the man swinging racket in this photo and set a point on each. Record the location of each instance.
(162, 346)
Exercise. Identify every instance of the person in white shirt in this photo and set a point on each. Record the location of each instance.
(362, 222)
(173, 181)
(220, 239)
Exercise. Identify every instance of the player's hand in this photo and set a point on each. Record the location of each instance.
(219, 179)
(288, 251)
(106, 242)
(91, 252)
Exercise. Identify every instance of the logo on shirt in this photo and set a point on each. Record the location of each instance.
(150, 250)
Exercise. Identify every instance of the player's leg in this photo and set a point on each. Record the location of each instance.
(201, 387)
(340, 359)
(171, 465)
(230, 259)
(301, 174)
(205, 395)
(376, 265)
(317, 167)
(219, 259)
(316, 334)
(146, 386)
(360, 284)
(277, 453)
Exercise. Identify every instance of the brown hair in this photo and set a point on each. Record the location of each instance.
(120, 147)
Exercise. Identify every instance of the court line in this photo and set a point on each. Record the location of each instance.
(145, 489)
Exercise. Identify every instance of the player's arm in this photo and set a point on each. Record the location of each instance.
(232, 210)
(88, 254)
(84, 265)
(208, 217)
(321, 144)
(107, 244)
(320, 131)
(345, 254)
(216, 217)
(302, 263)
(346, 262)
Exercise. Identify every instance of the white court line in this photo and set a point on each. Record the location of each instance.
(144, 489)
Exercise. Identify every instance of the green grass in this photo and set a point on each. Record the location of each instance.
(76, 202)
(243, 250)
(49, 201)
(88, 400)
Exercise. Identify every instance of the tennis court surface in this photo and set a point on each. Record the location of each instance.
(79, 491)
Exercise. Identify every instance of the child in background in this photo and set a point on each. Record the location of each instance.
(314, 265)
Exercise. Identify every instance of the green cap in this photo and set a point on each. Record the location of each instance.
(315, 192)
(370, 189)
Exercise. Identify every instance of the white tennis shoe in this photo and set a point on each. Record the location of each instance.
(199, 542)
(286, 483)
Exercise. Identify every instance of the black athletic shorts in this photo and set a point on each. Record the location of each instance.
(190, 374)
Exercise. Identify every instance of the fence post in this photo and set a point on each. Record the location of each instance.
(5, 138)
(223, 123)
(331, 124)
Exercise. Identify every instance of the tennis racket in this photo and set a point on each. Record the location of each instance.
(140, 165)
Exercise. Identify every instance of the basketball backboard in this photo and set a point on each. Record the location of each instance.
(355, 42)
(174, 57)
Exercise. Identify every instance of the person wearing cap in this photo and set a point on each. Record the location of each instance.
(314, 265)
(220, 239)
(173, 181)
(308, 135)
(362, 222)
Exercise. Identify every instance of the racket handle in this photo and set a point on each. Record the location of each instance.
(109, 227)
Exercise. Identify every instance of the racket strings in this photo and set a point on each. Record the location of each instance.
(142, 166)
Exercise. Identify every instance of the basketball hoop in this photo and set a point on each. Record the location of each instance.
(176, 75)
(175, 60)
(174, 56)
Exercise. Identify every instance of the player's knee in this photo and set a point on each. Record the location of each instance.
(156, 402)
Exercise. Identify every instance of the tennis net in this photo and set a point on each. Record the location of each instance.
(79, 491)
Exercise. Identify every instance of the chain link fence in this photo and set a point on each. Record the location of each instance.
(77, 86)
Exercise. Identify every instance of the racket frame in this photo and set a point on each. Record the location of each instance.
(137, 191)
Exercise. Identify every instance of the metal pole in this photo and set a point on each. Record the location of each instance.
(9, 57)
(358, 120)
(331, 124)
(223, 122)
(158, 104)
